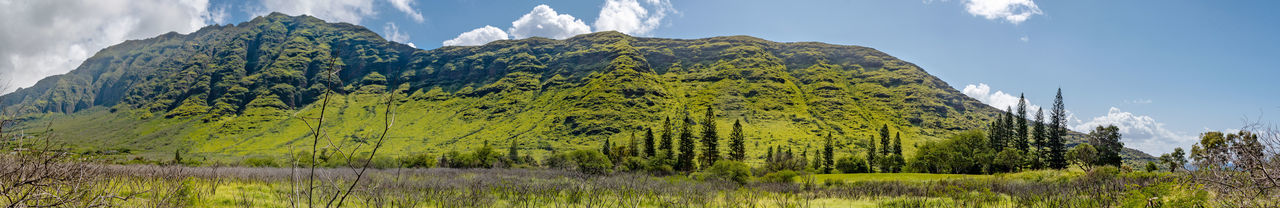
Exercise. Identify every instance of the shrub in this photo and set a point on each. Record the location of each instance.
(730, 170)
(784, 176)
(591, 161)
(260, 161)
(852, 165)
(417, 160)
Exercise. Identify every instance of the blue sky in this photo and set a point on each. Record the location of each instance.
(1162, 70)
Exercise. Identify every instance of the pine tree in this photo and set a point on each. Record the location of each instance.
(1020, 140)
(885, 150)
(768, 157)
(1010, 131)
(994, 132)
(817, 160)
(1041, 137)
(666, 139)
(710, 139)
(737, 145)
(684, 162)
(649, 150)
(898, 160)
(1057, 130)
(871, 155)
(513, 154)
(606, 149)
(634, 148)
(828, 155)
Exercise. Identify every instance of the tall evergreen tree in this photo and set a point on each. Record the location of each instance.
(885, 150)
(1010, 131)
(710, 139)
(871, 155)
(649, 150)
(684, 162)
(737, 145)
(994, 133)
(1020, 139)
(828, 155)
(1041, 142)
(606, 149)
(1057, 130)
(817, 161)
(898, 160)
(666, 138)
(513, 152)
(768, 157)
(633, 149)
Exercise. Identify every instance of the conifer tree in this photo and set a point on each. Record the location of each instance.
(1010, 131)
(828, 155)
(737, 145)
(1057, 130)
(898, 160)
(684, 162)
(649, 150)
(1041, 141)
(871, 155)
(667, 135)
(513, 153)
(885, 150)
(1020, 121)
(710, 139)
(768, 157)
(634, 148)
(606, 149)
(817, 161)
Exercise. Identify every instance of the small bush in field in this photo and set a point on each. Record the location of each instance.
(730, 170)
(260, 161)
(783, 176)
(417, 160)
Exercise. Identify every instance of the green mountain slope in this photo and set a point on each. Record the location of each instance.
(248, 89)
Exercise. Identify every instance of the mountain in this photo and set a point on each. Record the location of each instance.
(252, 89)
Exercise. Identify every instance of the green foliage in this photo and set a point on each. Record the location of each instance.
(1084, 155)
(852, 164)
(260, 161)
(784, 176)
(1107, 141)
(1057, 130)
(710, 139)
(417, 160)
(737, 142)
(586, 161)
(730, 170)
(964, 153)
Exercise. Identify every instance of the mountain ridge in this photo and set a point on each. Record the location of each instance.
(227, 90)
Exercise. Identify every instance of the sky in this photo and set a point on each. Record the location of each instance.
(1163, 71)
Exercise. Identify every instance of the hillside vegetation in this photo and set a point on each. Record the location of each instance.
(235, 91)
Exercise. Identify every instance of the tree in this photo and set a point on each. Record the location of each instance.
(684, 162)
(1008, 160)
(1057, 130)
(177, 157)
(606, 149)
(1151, 167)
(513, 153)
(737, 145)
(828, 155)
(649, 149)
(871, 155)
(1084, 155)
(634, 150)
(886, 150)
(1020, 121)
(897, 159)
(1107, 141)
(850, 164)
(1037, 154)
(666, 138)
(710, 139)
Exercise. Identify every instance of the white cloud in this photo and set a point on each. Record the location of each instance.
(392, 32)
(628, 16)
(406, 6)
(349, 11)
(545, 22)
(43, 38)
(1138, 101)
(478, 36)
(998, 99)
(1014, 11)
(1139, 132)
(1024, 39)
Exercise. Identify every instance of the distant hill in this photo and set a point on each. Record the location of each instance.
(236, 90)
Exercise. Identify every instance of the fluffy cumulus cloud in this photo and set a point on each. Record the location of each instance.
(392, 32)
(997, 99)
(1013, 11)
(350, 11)
(43, 38)
(628, 16)
(545, 22)
(478, 36)
(1139, 131)
(406, 6)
